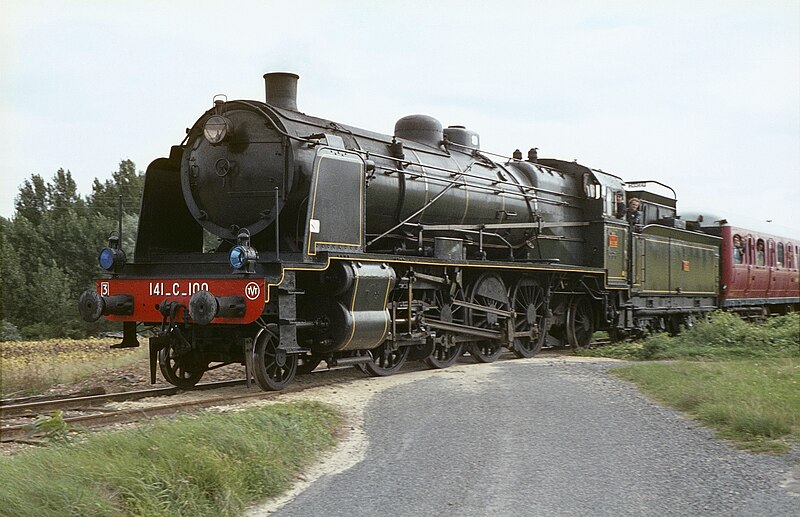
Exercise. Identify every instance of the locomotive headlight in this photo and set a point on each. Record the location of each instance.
(237, 257)
(216, 129)
(242, 256)
(111, 259)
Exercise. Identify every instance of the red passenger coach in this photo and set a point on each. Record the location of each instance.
(759, 271)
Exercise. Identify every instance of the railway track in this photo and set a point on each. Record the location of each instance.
(93, 410)
(89, 411)
(27, 408)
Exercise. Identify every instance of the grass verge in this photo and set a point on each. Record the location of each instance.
(754, 403)
(32, 367)
(740, 378)
(198, 465)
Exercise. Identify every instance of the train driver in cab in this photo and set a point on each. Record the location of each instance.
(632, 215)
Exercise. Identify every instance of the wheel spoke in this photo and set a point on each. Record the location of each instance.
(385, 363)
(183, 371)
(487, 291)
(270, 374)
(580, 323)
(528, 302)
(445, 310)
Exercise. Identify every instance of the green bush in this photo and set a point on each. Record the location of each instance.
(721, 335)
(9, 332)
(655, 347)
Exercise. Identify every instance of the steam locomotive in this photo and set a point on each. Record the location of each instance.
(278, 240)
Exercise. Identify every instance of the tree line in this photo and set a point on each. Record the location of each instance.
(49, 250)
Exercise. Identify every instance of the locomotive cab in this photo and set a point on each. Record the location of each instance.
(657, 203)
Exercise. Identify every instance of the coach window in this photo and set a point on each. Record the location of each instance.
(770, 253)
(738, 249)
(780, 255)
(789, 256)
(760, 252)
(748, 249)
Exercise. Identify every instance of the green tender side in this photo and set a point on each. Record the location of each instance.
(674, 261)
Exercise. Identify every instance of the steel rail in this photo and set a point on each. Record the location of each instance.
(40, 406)
(20, 431)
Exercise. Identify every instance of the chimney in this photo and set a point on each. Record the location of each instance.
(281, 89)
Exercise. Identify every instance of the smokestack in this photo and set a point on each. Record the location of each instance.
(281, 89)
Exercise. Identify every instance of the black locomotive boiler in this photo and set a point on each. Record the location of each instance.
(277, 240)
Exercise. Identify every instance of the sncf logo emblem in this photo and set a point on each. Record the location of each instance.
(252, 291)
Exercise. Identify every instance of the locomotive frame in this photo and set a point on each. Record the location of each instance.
(357, 248)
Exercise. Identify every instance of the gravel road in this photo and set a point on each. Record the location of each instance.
(540, 437)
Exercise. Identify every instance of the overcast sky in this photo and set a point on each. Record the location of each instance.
(701, 95)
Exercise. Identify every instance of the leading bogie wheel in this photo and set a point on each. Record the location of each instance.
(180, 370)
(384, 361)
(274, 368)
